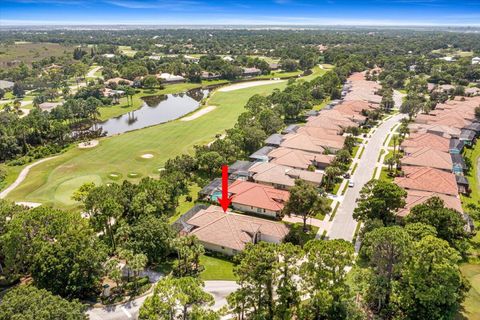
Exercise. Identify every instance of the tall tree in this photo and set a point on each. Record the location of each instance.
(28, 302)
(379, 200)
(306, 201)
(323, 277)
(385, 251)
(432, 286)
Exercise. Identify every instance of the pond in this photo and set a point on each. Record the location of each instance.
(155, 110)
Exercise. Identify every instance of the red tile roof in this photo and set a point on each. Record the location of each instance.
(428, 179)
(232, 230)
(416, 197)
(258, 195)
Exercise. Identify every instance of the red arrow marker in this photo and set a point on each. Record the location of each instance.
(225, 200)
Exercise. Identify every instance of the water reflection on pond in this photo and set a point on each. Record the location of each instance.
(155, 110)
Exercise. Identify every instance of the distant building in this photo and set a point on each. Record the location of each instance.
(476, 60)
(228, 59)
(251, 72)
(108, 55)
(4, 84)
(170, 78)
(48, 106)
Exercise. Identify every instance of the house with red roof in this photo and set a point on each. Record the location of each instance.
(257, 198)
(428, 179)
(229, 232)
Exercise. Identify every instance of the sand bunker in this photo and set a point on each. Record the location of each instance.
(249, 84)
(88, 144)
(198, 114)
(147, 156)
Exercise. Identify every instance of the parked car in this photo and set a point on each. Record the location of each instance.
(346, 175)
(351, 184)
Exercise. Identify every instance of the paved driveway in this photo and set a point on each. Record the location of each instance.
(343, 225)
(219, 289)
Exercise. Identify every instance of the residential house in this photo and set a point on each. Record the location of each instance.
(427, 157)
(324, 138)
(274, 140)
(458, 164)
(48, 106)
(205, 75)
(170, 78)
(476, 60)
(212, 191)
(261, 154)
(292, 128)
(303, 142)
(420, 140)
(239, 170)
(251, 72)
(282, 177)
(257, 198)
(416, 197)
(228, 233)
(468, 136)
(300, 159)
(462, 183)
(455, 146)
(428, 179)
(6, 85)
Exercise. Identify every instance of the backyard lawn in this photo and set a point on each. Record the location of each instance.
(216, 269)
(54, 181)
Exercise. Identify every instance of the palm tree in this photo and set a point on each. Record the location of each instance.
(390, 162)
(331, 173)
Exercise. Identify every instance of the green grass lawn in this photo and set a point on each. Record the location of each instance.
(384, 175)
(471, 270)
(216, 269)
(12, 174)
(279, 74)
(54, 181)
(471, 305)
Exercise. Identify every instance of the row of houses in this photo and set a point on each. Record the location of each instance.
(432, 162)
(260, 186)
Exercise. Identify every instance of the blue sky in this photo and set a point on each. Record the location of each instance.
(284, 12)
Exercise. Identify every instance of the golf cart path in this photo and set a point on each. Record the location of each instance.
(91, 73)
(23, 174)
(249, 84)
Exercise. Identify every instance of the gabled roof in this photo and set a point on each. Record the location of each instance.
(319, 137)
(466, 134)
(258, 195)
(303, 142)
(273, 173)
(428, 179)
(428, 157)
(456, 144)
(298, 158)
(416, 197)
(261, 154)
(274, 140)
(433, 141)
(232, 230)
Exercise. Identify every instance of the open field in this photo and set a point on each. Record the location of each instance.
(471, 305)
(29, 52)
(127, 50)
(54, 181)
(471, 270)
